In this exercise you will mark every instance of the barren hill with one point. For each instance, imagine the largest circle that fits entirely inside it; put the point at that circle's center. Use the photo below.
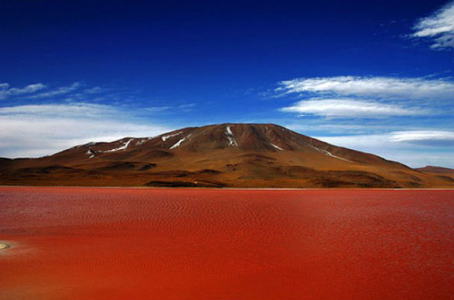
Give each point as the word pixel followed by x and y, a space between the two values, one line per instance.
pixel 434 169
pixel 225 155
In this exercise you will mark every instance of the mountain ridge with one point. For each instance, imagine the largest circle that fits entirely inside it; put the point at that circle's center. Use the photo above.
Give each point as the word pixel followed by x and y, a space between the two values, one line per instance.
pixel 436 169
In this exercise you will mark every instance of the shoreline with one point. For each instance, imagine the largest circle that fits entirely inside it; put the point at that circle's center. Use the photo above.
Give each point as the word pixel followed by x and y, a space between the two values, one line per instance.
pixel 232 188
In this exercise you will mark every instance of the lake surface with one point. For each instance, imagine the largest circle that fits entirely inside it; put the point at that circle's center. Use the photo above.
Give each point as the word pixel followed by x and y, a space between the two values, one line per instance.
pixel 124 243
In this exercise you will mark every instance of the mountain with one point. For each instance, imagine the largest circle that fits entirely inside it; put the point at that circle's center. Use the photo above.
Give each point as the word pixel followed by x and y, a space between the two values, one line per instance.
pixel 445 174
pixel 225 155
pixel 434 169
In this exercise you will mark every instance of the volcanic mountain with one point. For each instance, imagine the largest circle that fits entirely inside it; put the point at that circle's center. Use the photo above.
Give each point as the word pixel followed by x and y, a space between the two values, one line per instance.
pixel 225 155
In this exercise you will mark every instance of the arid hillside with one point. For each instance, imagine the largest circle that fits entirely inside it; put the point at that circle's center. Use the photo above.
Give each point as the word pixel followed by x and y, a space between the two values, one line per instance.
pixel 225 155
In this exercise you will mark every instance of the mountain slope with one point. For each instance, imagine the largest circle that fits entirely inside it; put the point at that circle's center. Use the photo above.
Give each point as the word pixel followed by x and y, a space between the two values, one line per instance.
pixel 225 155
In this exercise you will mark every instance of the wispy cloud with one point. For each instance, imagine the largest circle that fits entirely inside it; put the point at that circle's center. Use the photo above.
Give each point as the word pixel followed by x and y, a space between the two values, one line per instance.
pixel 187 106
pixel 59 110
pixel 59 91
pixel 424 137
pixel 6 91
pixel 334 127
pixel 77 91
pixel 170 109
pixel 374 87
pixel 93 90
pixel 351 108
pixel 439 27
pixel 36 130
pixel 156 109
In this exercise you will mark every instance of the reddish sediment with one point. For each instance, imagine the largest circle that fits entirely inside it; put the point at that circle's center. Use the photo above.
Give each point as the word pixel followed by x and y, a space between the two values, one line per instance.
pixel 120 243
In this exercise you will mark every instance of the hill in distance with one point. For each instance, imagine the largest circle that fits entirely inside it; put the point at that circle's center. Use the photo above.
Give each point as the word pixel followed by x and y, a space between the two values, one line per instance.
pixel 434 169
pixel 225 155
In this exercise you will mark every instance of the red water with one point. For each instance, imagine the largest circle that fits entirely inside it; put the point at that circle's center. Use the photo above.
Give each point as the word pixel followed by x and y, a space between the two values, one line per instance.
pixel 119 243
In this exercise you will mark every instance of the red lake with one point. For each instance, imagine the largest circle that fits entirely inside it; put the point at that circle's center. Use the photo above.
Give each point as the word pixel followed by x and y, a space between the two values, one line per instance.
pixel 127 243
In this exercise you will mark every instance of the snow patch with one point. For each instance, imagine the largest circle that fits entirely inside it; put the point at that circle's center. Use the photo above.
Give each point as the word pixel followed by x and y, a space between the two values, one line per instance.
pixel 229 131
pixel 328 153
pixel 177 144
pixel 140 142
pixel 230 137
pixel 123 147
pixel 91 153
pixel 277 147
pixel 166 137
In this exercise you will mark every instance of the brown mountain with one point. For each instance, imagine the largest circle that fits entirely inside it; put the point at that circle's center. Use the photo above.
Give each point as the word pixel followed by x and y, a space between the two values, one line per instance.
pixel 434 169
pixel 226 155
pixel 445 174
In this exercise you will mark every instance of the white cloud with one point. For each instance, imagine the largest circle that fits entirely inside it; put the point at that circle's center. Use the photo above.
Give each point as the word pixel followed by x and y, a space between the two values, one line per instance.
pixel 344 128
pixel 58 92
pixel 37 130
pixel 81 110
pixel 396 139
pixel 6 91
pixel 403 146
pixel 439 26
pixel 349 108
pixel 424 137
pixel 374 87
pixel 348 97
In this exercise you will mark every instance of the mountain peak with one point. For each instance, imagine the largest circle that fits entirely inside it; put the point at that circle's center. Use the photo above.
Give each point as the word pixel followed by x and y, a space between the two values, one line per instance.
pixel 244 137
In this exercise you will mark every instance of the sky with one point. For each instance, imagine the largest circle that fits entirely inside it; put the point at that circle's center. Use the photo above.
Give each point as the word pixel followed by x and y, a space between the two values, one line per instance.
pixel 374 76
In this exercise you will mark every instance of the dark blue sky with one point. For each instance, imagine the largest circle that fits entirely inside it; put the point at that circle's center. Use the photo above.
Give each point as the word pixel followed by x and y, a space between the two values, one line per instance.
pixel 172 64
